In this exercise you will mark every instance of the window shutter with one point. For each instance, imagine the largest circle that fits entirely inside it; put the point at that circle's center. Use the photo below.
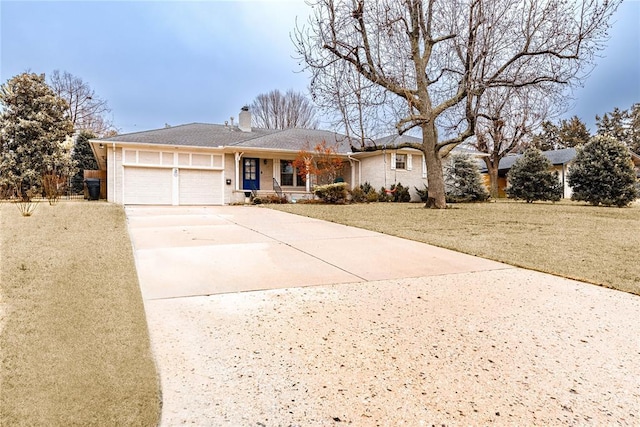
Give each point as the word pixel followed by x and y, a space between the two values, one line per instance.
pixel 393 160
pixel 409 162
pixel 424 167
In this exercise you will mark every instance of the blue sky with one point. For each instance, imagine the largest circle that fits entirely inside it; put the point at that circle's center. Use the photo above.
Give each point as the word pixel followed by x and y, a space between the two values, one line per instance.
pixel 158 62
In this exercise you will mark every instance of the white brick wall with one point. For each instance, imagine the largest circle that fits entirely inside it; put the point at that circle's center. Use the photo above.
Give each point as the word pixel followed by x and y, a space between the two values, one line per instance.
pixel 378 172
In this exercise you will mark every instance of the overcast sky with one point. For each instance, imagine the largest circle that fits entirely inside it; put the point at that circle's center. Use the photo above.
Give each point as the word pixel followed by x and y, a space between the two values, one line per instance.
pixel 158 62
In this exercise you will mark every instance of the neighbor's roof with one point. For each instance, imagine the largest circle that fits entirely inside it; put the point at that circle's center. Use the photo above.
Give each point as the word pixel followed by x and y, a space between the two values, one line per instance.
pixel 211 135
pixel 560 157
pixel 556 157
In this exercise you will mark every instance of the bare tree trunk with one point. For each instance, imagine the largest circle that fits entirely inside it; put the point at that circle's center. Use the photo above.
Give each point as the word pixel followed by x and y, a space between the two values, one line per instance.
pixel 493 179
pixel 435 177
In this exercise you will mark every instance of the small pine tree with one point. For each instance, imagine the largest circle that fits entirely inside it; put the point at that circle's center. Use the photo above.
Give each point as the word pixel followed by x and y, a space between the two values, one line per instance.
pixel 84 158
pixel 462 180
pixel 531 178
pixel 603 173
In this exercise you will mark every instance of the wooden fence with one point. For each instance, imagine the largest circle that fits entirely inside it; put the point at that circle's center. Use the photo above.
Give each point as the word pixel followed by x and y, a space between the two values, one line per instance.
pixel 102 176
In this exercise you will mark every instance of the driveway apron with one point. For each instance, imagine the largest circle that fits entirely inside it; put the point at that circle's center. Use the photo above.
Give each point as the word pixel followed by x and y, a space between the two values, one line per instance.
pixel 262 318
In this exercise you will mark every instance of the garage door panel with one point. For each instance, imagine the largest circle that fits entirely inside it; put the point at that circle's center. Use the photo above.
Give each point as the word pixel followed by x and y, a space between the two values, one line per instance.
pixel 200 187
pixel 147 186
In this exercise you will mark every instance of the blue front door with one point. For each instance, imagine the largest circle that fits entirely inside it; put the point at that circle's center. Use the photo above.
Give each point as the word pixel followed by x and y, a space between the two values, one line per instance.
pixel 250 174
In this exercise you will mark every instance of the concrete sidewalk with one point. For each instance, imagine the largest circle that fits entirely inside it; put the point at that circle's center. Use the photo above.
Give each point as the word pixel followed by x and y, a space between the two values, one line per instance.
pixel 345 326
pixel 189 251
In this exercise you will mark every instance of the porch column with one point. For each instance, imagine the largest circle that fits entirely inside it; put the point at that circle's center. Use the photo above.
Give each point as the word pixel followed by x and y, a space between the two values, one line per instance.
pixel 238 157
pixel 307 164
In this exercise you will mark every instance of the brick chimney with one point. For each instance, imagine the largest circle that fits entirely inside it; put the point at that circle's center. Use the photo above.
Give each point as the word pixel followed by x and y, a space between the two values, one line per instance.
pixel 244 119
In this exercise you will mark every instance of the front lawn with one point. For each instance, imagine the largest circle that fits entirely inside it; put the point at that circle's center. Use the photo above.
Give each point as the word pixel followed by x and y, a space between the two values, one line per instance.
pixel 594 244
pixel 74 345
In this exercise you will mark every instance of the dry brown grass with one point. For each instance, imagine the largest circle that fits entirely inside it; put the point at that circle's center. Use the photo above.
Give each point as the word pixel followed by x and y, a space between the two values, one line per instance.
pixel 594 244
pixel 74 347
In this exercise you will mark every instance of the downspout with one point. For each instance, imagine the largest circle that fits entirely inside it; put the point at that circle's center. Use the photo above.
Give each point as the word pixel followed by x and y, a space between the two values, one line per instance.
pixel 384 164
pixel 113 146
pixel 564 187
pixel 351 159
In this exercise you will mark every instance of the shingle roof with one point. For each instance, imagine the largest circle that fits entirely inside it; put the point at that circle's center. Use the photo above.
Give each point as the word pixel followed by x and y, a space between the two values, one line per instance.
pixel 559 157
pixel 395 140
pixel 556 157
pixel 211 135
pixel 295 139
pixel 193 134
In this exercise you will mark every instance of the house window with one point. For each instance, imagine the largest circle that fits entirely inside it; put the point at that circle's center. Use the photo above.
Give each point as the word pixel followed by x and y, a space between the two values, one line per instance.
pixel 289 174
pixel 401 161
pixel 286 172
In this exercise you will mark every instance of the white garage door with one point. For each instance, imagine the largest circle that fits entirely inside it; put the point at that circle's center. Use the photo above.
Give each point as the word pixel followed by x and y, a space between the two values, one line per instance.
pixel 200 187
pixel 147 186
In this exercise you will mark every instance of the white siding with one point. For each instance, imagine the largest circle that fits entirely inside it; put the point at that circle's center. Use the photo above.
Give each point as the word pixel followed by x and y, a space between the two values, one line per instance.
pixel 380 171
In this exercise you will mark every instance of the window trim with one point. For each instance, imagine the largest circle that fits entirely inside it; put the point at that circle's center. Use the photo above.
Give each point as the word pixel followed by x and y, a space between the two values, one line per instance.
pixel 297 180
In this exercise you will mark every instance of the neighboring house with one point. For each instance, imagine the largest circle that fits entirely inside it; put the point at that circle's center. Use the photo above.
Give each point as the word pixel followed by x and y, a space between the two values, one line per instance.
pixel 560 160
pixel 202 164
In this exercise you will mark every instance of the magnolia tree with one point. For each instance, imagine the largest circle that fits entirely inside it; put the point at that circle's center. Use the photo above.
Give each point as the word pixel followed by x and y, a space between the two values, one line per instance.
pixel 434 60
pixel 34 136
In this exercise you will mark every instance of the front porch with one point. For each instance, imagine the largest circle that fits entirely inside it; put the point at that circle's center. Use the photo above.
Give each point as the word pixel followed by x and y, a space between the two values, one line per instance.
pixel 259 175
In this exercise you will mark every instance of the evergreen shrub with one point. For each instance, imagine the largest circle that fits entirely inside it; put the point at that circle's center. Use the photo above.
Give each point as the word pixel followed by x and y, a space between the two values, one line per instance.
pixel 332 193
pixel 603 174
pixel 462 181
pixel 531 178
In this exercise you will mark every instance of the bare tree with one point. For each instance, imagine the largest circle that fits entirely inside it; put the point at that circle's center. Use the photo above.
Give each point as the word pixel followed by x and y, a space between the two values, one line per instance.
pixel 506 118
pixel 86 110
pixel 352 104
pixel 275 110
pixel 440 56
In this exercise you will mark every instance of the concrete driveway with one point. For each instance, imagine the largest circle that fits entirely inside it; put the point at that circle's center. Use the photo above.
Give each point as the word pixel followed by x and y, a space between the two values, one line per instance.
pixel 345 326
pixel 190 251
